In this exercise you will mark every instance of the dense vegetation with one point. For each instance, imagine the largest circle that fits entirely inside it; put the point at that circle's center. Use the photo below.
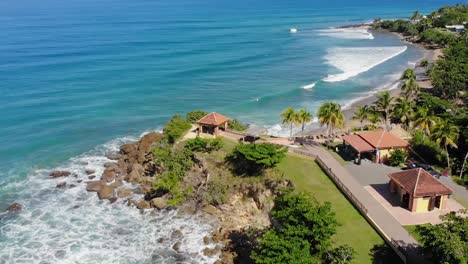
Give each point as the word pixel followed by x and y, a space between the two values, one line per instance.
pixel 301 233
pixel 448 241
pixel 199 144
pixel 253 159
pixel 175 128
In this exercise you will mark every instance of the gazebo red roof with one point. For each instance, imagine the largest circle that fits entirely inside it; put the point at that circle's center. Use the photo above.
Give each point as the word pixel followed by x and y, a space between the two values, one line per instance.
pixel 213 119
pixel 374 140
pixel 419 183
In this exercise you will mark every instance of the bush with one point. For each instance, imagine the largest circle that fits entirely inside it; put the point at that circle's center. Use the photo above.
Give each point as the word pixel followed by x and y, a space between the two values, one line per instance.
pixel 339 255
pixel 194 116
pixel 424 63
pixel 234 124
pixel 199 144
pixel 216 193
pixel 437 36
pixel 252 159
pixel 175 128
pixel 397 158
pixel 429 150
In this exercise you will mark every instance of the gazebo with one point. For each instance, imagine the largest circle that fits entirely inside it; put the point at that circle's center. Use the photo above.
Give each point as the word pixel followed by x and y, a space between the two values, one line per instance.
pixel 418 190
pixel 379 143
pixel 212 123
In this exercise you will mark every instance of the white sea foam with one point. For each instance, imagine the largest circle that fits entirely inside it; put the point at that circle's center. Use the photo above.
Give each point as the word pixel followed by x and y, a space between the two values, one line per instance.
pixel 309 86
pixel 73 226
pixel 346 33
pixel 353 61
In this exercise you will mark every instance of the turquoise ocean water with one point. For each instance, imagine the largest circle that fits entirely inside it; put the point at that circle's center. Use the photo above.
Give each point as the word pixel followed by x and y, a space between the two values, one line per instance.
pixel 78 78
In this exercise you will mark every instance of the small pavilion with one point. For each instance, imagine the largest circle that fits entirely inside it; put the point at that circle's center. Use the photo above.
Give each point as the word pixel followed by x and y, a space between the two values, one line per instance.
pixel 212 123
pixel 418 190
pixel 378 143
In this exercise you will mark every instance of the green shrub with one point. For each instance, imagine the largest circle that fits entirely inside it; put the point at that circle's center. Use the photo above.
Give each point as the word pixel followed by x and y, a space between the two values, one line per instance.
pixel 339 255
pixel 437 36
pixel 199 144
pixel 429 150
pixel 397 158
pixel 215 194
pixel 252 159
pixel 424 63
pixel 234 124
pixel 194 116
pixel 175 128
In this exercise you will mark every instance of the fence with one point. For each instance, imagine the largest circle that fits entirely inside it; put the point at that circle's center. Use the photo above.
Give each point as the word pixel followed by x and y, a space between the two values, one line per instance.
pixel 400 251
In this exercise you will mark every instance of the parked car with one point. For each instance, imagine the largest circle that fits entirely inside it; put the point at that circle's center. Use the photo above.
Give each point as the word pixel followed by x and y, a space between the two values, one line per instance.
pixel 426 167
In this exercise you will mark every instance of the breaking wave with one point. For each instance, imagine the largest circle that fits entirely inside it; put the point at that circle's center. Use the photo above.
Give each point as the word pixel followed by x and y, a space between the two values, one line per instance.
pixel 346 33
pixel 353 61
pixel 309 86
pixel 73 226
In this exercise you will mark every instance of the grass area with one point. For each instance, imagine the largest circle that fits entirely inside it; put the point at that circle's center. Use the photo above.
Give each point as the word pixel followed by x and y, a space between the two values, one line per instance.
pixel 412 230
pixel 338 157
pixel 354 230
pixel 460 200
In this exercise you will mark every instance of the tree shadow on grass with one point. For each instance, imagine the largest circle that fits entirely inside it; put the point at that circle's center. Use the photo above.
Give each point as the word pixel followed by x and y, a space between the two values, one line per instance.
pixel 384 254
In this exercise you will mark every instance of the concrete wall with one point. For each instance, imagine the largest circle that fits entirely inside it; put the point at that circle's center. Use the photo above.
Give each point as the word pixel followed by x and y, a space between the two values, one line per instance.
pixel 422 204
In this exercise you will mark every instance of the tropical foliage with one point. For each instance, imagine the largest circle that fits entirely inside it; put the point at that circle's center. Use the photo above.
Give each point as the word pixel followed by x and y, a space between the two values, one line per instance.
pixel 289 117
pixel 253 159
pixel 194 116
pixel 236 125
pixel 331 116
pixel 304 117
pixel 199 144
pixel 175 128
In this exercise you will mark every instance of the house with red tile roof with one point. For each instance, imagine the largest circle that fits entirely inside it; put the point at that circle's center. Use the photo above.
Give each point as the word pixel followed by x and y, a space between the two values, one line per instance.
pixel 418 190
pixel 379 143
pixel 212 123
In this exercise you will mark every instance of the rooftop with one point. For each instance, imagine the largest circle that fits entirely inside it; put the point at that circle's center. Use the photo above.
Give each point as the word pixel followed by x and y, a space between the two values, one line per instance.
pixel 214 119
pixel 372 140
pixel 419 183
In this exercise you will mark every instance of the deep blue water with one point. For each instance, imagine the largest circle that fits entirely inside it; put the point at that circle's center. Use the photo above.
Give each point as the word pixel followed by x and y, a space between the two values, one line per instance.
pixel 75 75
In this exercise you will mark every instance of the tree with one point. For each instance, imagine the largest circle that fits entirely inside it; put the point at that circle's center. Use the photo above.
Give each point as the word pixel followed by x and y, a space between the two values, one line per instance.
pixel 383 105
pixel 175 128
pixel 299 215
pixel 403 110
pixel 304 117
pixel 408 74
pixel 252 159
pixel 276 248
pixel 330 115
pixel 236 125
pixel 289 117
pixel 194 116
pixel 361 114
pixel 446 134
pixel 339 255
pixel 397 157
pixel 448 241
pixel 199 144
pixel 424 119
pixel 410 88
pixel 416 16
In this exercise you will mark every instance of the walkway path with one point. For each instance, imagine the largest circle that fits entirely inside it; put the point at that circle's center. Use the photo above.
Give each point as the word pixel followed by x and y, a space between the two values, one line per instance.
pixel 377 215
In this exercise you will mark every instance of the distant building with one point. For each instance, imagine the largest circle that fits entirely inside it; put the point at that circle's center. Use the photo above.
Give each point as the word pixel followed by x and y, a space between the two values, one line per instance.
pixel 456 28
pixel 418 190
pixel 376 144
pixel 212 123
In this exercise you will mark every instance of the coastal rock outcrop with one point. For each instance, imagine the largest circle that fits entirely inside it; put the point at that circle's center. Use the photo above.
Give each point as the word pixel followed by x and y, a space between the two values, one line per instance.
pixel 106 192
pixel 14 208
pixel 159 203
pixel 122 193
pixel 59 174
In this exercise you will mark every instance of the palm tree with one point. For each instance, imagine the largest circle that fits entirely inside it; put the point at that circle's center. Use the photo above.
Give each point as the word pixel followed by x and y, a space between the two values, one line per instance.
pixel 410 88
pixel 289 117
pixel 330 114
pixel 446 134
pixel 426 23
pixel 424 119
pixel 383 105
pixel 416 15
pixel 403 110
pixel 408 74
pixel 361 114
pixel 304 117
pixel 374 116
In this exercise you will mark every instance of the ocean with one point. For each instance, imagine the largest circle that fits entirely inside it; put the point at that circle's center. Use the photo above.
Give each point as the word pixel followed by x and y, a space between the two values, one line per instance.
pixel 79 78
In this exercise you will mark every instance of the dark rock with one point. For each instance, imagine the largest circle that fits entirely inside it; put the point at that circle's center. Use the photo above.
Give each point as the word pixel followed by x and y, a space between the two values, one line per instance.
pixel 79 181
pixel 72 186
pixel 160 240
pixel 89 171
pixel 206 240
pixel 177 246
pixel 129 149
pixel 113 200
pixel 76 207
pixel 61 185
pixel 58 174
pixel 177 234
pixel 209 252
pixel 113 156
pixel 14 208
pixel 91 177
pixel 105 192
pixel 94 186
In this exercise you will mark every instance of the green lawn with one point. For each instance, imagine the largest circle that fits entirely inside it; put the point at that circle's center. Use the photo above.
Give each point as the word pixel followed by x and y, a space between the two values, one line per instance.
pixel 354 230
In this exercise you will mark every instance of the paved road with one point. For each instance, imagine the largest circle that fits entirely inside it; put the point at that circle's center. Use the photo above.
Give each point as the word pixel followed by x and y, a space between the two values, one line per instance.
pixel 384 221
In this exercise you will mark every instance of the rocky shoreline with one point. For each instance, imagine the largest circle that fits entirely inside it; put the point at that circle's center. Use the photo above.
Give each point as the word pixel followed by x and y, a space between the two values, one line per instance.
pixel 128 178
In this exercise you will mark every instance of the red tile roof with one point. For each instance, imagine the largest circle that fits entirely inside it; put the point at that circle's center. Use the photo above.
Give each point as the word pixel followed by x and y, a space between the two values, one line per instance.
pixel 372 140
pixel 382 139
pixel 419 183
pixel 358 143
pixel 214 119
